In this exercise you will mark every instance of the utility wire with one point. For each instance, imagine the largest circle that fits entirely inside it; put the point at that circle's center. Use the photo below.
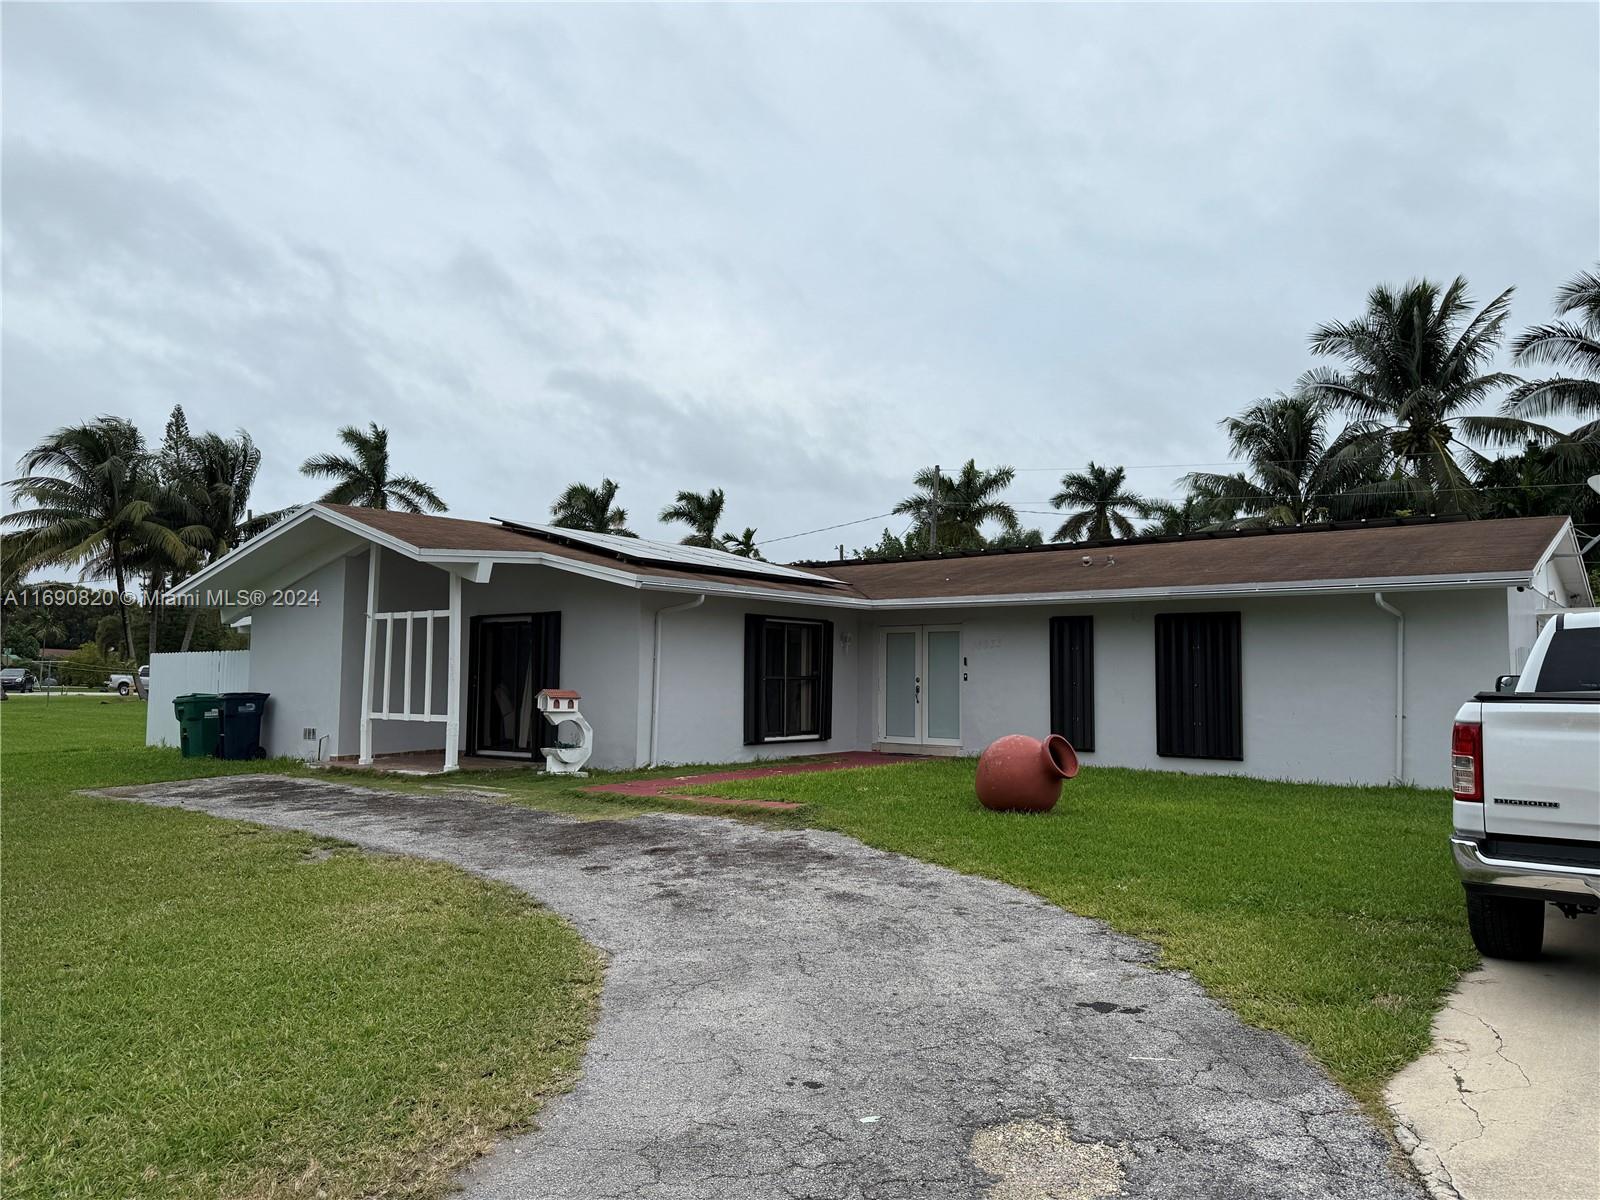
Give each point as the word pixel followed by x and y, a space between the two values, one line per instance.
pixel 823 529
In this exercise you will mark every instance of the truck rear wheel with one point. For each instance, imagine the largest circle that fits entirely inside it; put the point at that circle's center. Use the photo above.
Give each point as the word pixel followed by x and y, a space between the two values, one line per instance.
pixel 1506 926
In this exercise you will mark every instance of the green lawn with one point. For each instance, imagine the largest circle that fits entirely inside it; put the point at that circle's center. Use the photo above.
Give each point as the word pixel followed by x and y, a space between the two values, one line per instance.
pixel 195 1007
pixel 1331 914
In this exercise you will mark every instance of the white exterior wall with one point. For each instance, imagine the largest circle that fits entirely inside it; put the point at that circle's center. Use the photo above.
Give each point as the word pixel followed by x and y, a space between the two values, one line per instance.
pixel 702 681
pixel 1318 672
pixel 296 656
pixel 1317 676
pixel 599 647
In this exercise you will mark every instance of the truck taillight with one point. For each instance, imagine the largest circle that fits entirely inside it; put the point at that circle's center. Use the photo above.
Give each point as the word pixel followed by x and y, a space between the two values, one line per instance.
pixel 1466 761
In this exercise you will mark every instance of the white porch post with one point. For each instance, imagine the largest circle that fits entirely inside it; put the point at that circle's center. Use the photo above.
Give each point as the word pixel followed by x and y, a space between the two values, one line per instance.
pixel 452 699
pixel 374 557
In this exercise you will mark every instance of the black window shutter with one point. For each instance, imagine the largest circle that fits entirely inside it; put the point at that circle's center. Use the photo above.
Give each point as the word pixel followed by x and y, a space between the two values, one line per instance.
pixel 1199 693
pixel 1072 680
pixel 546 667
pixel 825 683
pixel 754 627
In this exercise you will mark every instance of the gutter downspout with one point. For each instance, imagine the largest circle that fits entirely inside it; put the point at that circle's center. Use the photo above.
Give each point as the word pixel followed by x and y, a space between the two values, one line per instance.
pixel 655 669
pixel 1399 685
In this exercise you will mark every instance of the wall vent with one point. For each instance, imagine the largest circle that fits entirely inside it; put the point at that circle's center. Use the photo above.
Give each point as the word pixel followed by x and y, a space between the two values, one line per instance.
pixel 309 734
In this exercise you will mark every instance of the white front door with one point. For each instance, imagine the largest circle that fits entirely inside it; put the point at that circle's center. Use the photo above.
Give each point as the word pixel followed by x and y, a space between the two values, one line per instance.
pixel 919 685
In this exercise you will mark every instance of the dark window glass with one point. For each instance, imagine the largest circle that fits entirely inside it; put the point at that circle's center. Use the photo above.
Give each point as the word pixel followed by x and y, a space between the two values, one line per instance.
pixel 791 683
pixel 1572 662
pixel 1199 707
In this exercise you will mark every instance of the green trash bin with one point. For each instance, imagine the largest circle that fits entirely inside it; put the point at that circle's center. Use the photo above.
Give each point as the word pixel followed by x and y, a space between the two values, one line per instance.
pixel 199 723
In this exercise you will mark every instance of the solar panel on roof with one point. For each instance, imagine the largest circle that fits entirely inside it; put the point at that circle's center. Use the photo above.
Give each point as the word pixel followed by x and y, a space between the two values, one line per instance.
pixel 672 553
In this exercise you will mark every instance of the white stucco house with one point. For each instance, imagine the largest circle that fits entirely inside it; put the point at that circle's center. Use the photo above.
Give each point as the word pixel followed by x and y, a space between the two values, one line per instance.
pixel 1334 652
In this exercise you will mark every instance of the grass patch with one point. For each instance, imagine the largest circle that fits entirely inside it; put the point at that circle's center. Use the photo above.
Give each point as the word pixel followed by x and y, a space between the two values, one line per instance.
pixel 1330 914
pixel 196 1007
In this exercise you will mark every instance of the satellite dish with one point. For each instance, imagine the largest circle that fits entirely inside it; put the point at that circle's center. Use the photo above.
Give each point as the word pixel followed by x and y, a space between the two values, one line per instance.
pixel 1594 482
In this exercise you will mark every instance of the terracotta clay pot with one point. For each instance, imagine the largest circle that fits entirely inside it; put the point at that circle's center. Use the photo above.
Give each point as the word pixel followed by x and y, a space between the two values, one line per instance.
pixel 1018 773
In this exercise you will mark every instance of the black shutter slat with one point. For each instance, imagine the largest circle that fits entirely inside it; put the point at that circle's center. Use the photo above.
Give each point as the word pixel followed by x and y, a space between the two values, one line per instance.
pixel 1072 680
pixel 546 667
pixel 1199 692
pixel 825 683
pixel 754 647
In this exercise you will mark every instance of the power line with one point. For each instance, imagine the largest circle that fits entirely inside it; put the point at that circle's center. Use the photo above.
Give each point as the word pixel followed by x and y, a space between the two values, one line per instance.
pixel 823 529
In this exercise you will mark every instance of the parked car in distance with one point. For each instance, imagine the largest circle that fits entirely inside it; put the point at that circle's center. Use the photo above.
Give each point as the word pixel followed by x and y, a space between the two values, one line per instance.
pixel 1525 771
pixel 17 679
pixel 122 684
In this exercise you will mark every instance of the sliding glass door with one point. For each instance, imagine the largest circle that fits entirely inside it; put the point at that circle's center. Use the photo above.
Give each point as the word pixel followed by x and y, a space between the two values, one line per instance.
pixel 513 657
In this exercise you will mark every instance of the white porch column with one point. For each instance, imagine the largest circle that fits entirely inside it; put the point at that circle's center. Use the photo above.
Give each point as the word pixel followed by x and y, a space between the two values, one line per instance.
pixel 452 699
pixel 374 557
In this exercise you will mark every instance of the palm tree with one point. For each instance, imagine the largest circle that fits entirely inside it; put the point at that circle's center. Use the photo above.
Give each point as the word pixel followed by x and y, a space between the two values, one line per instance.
pixel 1572 346
pixel 949 511
pixel 364 479
pixel 219 474
pixel 590 508
pixel 94 495
pixel 1297 471
pixel 1198 512
pixel 1412 369
pixel 743 544
pixel 1098 495
pixel 701 513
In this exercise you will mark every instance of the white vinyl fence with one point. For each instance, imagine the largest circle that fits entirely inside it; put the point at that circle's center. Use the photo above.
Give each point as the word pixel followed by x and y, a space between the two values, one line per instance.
pixel 173 675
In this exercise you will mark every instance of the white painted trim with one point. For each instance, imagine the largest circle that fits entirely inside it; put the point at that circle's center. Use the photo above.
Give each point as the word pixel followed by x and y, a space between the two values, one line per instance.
pixel 452 706
pixel 370 645
pixel 388 657
pixel 427 670
pixel 1399 685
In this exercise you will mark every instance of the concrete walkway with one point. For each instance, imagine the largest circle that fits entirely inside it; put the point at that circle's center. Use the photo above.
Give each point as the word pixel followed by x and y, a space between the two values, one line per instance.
pixel 1507 1103
pixel 792 1014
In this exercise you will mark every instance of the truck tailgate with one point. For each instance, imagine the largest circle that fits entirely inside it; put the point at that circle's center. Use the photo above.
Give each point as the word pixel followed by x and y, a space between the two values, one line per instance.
pixel 1541 769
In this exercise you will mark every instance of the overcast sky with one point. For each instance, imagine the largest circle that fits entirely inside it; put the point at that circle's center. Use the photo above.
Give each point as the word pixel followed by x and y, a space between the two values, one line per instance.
pixel 795 252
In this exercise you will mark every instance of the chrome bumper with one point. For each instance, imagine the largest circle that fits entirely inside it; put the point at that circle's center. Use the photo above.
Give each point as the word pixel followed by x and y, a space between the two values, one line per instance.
pixel 1581 884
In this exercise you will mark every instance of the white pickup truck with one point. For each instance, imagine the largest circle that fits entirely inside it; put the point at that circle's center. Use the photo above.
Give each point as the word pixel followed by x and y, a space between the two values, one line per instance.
pixel 124 684
pixel 1525 770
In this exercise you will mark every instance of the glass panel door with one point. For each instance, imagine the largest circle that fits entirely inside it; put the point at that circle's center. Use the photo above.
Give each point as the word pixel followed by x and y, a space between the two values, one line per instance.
pixel 921 685
pixel 942 692
pixel 900 685
pixel 505 693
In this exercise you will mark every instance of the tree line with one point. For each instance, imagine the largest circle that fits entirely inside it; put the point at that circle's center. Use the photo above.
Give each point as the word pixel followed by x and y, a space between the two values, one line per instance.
pixel 1387 425
pixel 100 498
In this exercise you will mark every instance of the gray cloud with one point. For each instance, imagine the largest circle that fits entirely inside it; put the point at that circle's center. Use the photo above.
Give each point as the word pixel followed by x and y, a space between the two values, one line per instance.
pixel 798 252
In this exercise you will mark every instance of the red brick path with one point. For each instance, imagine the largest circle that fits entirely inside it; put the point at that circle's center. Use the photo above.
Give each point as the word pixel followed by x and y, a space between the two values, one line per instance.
pixel 663 785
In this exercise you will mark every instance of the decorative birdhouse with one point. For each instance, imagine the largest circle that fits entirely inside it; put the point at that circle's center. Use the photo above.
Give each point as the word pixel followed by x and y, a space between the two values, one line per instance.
pixel 574 735
pixel 557 700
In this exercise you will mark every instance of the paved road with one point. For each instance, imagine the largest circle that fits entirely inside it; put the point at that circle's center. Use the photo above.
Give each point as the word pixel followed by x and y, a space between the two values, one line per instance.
pixel 1505 1105
pixel 792 1014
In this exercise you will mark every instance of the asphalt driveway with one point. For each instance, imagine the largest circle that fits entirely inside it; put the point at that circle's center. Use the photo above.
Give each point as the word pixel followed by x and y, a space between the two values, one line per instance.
pixel 792 1014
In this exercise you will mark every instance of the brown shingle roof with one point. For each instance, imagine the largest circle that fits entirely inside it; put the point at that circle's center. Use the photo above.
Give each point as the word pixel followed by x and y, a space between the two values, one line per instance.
pixel 1379 551
pixel 1385 550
